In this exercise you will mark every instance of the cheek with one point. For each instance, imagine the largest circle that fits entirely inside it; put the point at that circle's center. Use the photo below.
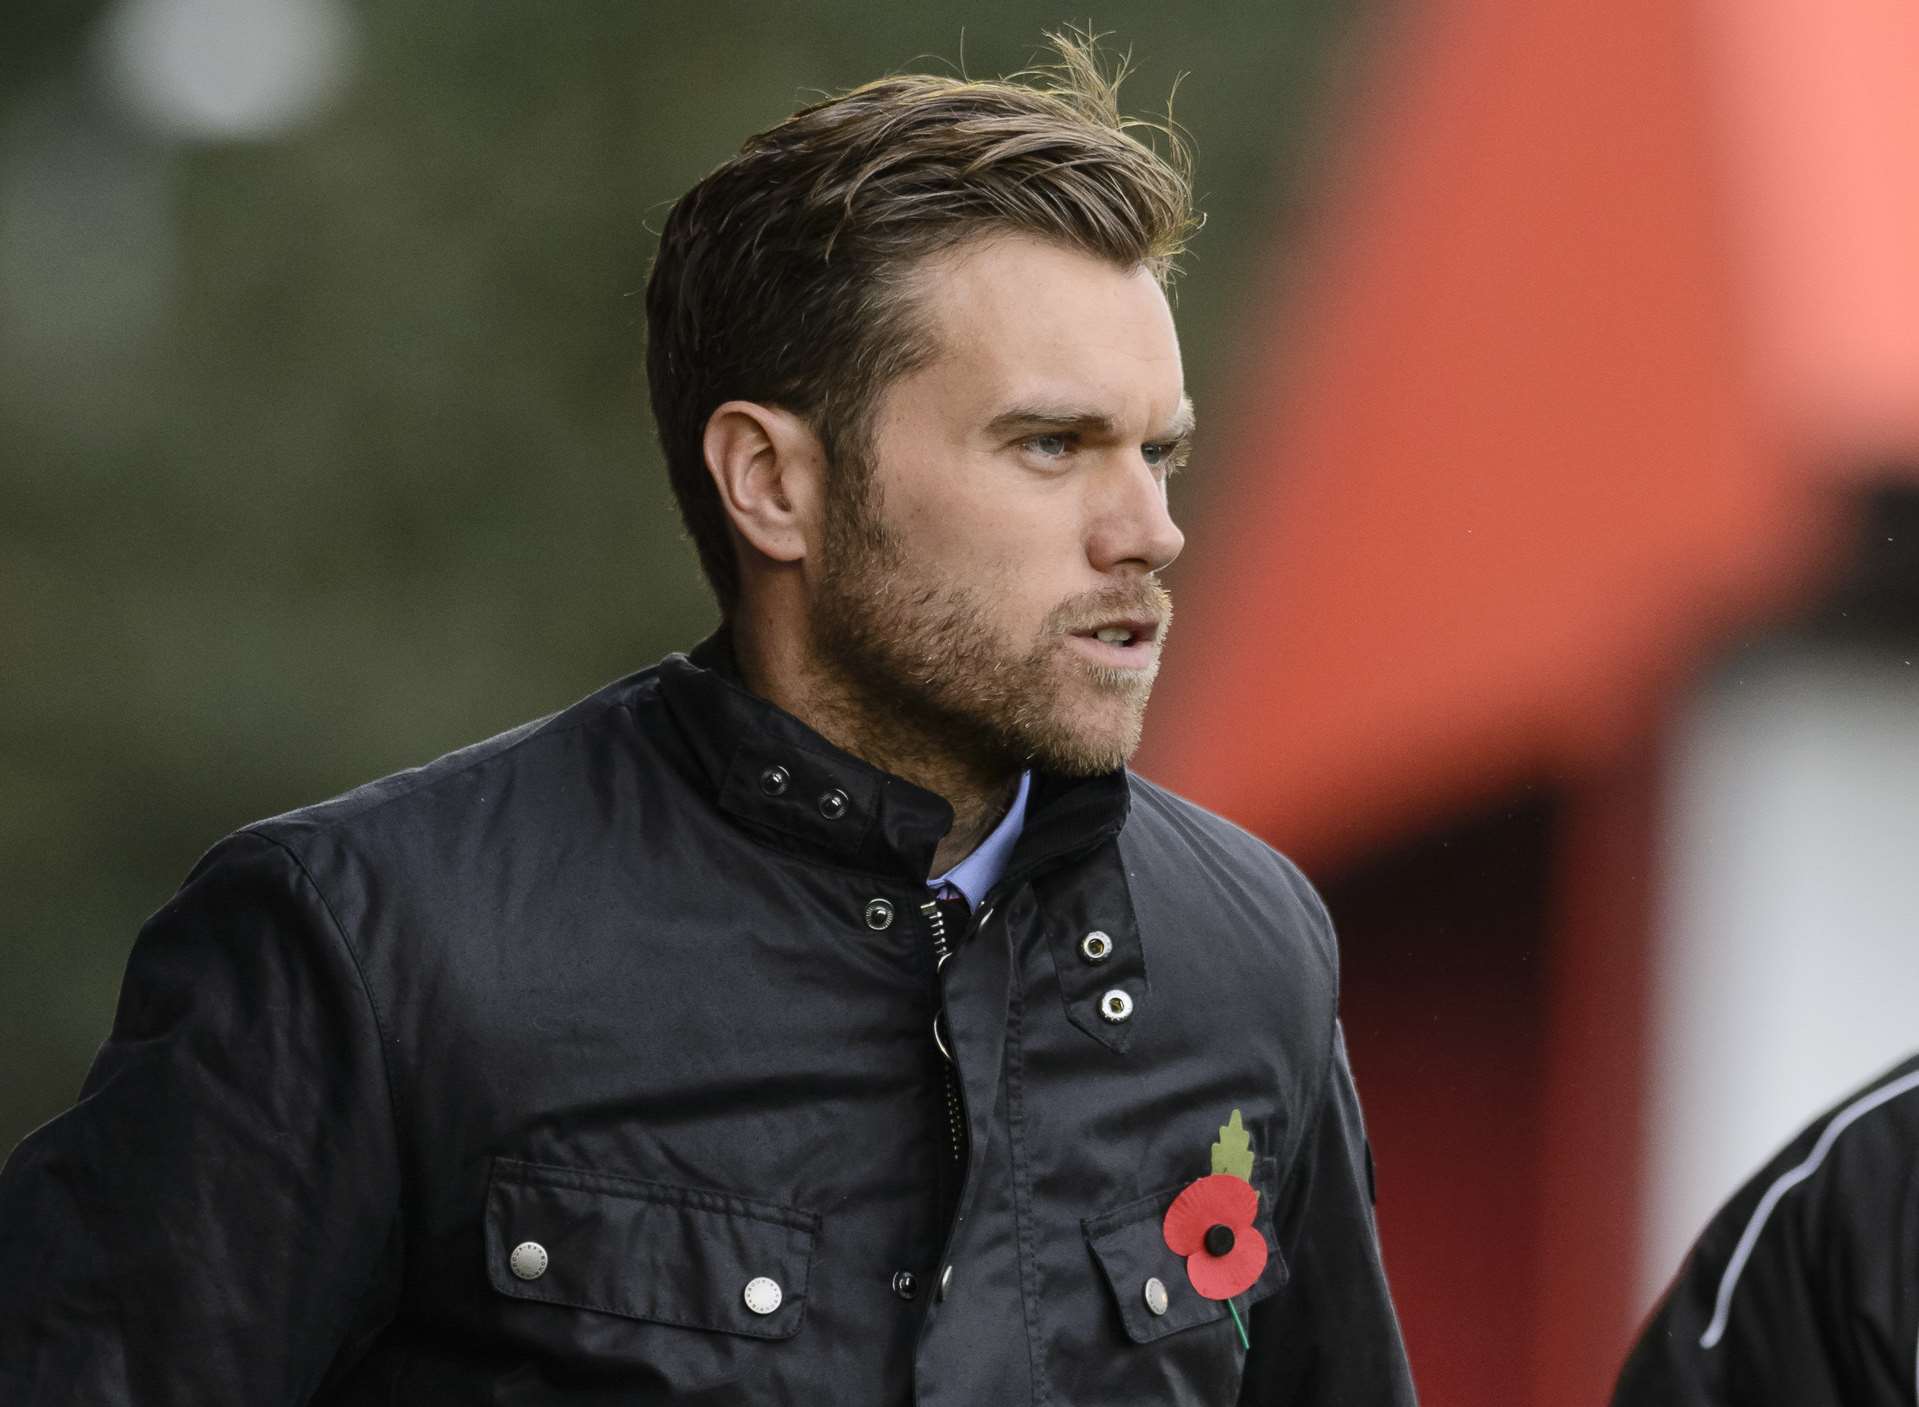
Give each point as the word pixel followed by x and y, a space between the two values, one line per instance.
pixel 1044 562
pixel 1040 532
pixel 1018 545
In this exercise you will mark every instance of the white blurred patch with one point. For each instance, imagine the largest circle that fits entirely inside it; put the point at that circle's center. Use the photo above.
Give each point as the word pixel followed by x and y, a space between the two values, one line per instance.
pixel 1787 958
pixel 226 69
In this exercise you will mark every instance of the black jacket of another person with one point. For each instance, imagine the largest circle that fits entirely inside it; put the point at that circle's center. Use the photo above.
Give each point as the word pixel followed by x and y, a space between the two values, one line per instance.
pixel 597 1064
pixel 1804 1289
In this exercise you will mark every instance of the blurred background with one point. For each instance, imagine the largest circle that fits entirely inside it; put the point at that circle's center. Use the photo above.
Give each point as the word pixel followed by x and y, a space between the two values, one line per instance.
pixel 1551 589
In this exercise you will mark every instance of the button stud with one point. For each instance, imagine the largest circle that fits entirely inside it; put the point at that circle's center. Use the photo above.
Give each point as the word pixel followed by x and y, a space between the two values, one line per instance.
pixel 879 915
pixel 1155 1294
pixel 1096 947
pixel 1116 1006
pixel 833 804
pixel 528 1260
pixel 905 1284
pixel 773 781
pixel 763 1295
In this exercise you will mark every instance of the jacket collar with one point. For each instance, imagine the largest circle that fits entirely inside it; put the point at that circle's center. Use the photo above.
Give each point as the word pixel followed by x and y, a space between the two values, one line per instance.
pixel 792 788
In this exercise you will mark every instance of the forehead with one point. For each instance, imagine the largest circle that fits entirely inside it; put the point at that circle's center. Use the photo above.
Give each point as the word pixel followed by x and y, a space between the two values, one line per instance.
pixel 1015 317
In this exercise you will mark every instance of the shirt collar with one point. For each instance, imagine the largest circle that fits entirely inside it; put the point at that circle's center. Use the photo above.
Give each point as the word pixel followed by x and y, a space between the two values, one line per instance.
pixel 976 875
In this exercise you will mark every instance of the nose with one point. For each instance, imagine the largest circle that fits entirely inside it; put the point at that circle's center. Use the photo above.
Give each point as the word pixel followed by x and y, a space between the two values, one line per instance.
pixel 1133 525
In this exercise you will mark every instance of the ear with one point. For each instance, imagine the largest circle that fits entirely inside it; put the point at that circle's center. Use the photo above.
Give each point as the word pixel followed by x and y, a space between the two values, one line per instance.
pixel 769 468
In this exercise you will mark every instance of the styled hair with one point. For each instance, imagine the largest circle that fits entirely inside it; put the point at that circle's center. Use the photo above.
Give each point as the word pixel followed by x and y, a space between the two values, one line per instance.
pixel 784 276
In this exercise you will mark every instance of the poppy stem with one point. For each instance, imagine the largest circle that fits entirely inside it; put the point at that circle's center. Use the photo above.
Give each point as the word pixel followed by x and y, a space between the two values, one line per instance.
pixel 1244 1342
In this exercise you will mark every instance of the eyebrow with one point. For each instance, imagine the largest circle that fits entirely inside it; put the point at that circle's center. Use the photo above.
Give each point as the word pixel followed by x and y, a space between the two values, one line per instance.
pixel 1085 422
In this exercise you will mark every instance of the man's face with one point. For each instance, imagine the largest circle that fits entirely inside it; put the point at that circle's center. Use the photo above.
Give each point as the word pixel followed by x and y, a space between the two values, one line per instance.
pixel 990 580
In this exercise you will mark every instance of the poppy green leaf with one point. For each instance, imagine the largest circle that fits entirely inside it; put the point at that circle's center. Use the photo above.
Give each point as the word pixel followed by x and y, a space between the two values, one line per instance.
pixel 1234 1152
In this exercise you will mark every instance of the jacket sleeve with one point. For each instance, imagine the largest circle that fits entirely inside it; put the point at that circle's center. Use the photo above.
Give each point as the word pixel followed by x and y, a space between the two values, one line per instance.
pixel 1804 1287
pixel 1329 1338
pixel 217 1219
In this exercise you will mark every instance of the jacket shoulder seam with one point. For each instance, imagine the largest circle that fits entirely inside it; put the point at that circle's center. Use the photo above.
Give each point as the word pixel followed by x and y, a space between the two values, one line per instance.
pixel 1329 1057
pixel 1323 1089
pixel 309 815
pixel 366 991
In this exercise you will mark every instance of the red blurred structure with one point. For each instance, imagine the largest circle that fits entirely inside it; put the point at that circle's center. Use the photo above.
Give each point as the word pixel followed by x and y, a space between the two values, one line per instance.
pixel 1609 302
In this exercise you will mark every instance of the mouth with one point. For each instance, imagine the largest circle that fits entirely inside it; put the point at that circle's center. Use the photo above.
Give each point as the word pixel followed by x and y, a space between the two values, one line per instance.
pixel 1123 644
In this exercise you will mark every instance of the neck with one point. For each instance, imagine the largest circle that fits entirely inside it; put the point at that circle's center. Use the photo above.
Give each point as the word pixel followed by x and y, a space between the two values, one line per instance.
pixel 776 666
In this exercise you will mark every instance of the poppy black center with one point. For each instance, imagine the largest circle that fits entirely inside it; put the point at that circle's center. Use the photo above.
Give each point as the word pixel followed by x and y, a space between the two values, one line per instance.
pixel 1219 1240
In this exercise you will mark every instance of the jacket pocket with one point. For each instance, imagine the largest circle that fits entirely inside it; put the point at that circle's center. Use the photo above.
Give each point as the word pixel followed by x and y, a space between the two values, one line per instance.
pixel 1130 1249
pixel 648 1250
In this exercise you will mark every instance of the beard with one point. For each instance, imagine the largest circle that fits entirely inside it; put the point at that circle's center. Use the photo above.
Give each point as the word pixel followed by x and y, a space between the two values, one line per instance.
pixel 921 660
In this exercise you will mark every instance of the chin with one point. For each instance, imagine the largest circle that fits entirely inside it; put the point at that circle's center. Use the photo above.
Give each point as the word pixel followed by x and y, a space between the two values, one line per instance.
pixel 1084 747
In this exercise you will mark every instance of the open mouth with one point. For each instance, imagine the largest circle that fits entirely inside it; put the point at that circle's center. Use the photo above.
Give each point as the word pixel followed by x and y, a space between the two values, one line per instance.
pixel 1125 637
pixel 1124 632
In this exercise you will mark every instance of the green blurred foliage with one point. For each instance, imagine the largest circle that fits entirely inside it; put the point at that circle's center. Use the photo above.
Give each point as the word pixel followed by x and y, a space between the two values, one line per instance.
pixel 345 461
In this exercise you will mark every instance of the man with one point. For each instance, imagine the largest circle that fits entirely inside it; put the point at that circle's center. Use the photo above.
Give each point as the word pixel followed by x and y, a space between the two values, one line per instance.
pixel 822 1017
pixel 1804 1289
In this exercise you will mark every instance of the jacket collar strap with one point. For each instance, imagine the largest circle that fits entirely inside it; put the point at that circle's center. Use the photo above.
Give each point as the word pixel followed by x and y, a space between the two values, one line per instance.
pixel 781 780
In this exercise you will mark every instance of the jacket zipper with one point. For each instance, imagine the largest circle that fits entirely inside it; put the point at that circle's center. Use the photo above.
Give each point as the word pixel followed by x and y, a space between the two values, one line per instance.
pixel 955 1115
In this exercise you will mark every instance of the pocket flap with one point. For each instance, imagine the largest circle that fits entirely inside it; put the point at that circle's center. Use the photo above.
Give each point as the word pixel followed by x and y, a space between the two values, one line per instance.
pixel 1130 1247
pixel 647 1250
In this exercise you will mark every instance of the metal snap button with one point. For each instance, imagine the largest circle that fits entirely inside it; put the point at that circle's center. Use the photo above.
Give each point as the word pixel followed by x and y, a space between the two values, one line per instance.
pixel 833 804
pixel 1155 1294
pixel 1116 1006
pixel 946 1281
pixel 763 1295
pixel 528 1260
pixel 879 915
pixel 905 1284
pixel 773 781
pixel 1096 947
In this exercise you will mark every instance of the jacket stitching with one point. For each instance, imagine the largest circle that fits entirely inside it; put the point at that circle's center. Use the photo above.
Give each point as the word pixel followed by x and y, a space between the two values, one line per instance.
pixel 708 1325
pixel 706 1201
pixel 1022 1193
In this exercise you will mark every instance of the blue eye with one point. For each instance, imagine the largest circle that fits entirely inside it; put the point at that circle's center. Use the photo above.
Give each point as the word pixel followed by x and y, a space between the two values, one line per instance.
pixel 1050 446
pixel 1163 456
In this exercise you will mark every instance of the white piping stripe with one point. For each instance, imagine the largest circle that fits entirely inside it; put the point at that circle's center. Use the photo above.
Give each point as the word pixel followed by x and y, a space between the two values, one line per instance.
pixel 1786 1181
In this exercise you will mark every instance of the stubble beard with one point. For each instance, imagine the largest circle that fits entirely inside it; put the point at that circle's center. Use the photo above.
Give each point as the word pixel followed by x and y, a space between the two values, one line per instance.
pixel 921 662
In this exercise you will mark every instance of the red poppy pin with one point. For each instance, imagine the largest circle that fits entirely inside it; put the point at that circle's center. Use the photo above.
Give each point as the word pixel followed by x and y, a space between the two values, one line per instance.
pixel 1211 1224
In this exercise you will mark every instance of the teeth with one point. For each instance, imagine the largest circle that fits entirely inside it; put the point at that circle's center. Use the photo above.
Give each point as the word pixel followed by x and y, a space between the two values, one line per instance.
pixel 1115 635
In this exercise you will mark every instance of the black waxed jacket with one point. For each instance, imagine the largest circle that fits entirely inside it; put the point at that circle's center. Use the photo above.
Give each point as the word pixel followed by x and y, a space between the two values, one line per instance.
pixel 595 1064
pixel 1803 1291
